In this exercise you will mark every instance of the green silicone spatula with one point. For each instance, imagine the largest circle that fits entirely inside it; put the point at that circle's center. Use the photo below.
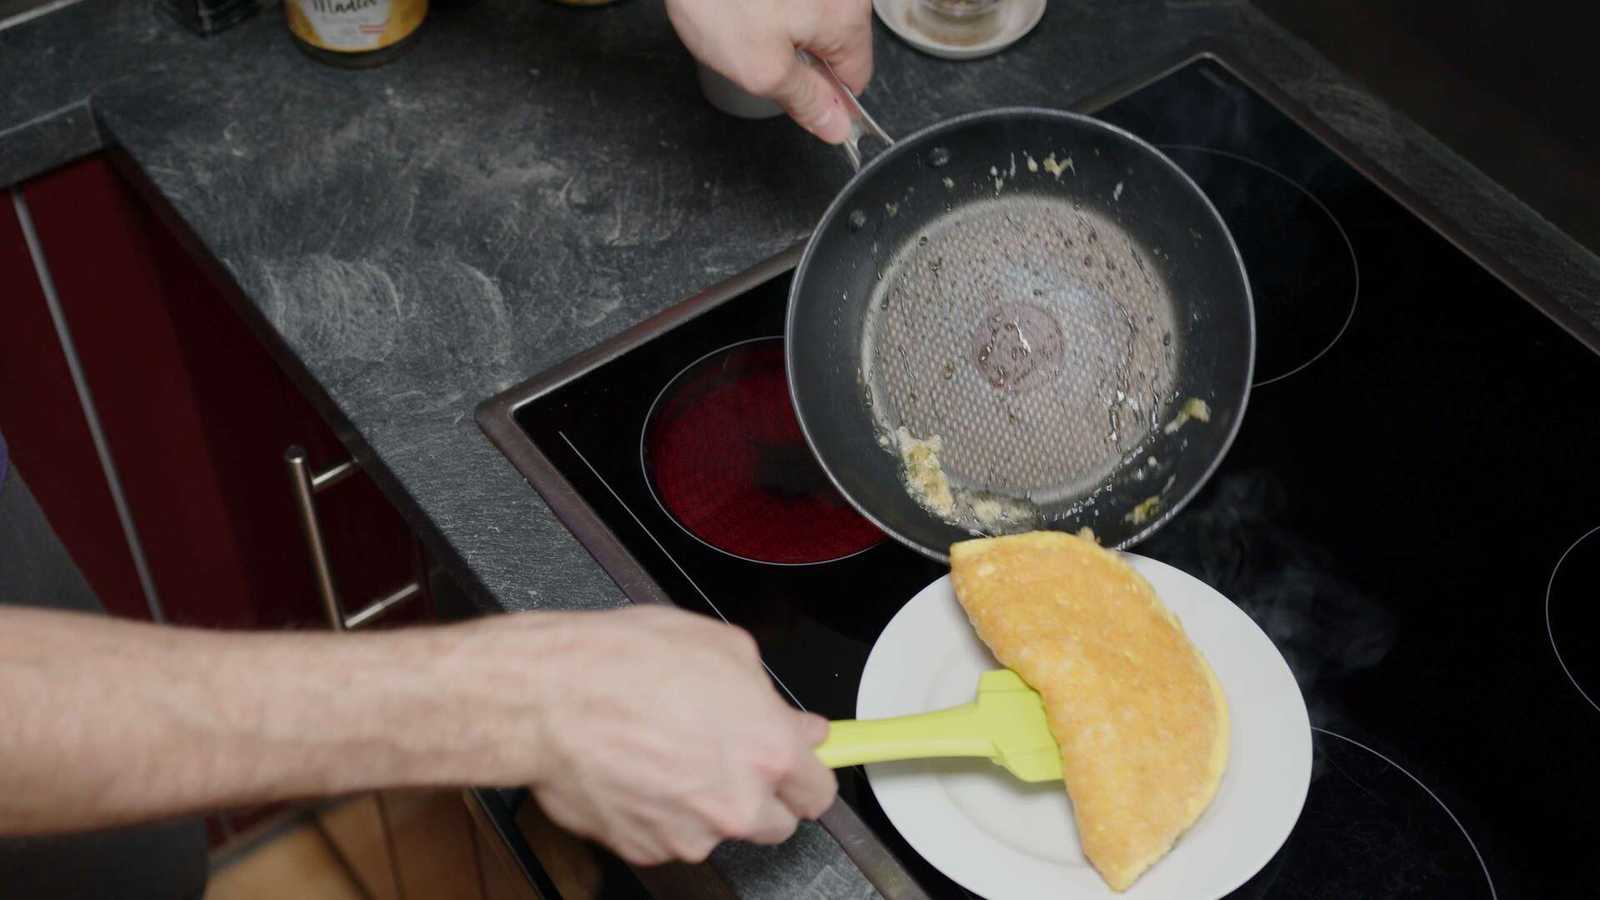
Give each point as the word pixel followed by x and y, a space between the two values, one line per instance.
pixel 1004 724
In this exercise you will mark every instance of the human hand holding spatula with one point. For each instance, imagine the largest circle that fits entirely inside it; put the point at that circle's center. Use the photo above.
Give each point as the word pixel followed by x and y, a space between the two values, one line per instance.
pixel 1005 724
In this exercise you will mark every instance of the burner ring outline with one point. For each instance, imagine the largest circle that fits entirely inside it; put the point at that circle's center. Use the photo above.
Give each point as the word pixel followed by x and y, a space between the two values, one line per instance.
pixel 1350 247
pixel 649 483
pixel 1549 629
pixel 1488 879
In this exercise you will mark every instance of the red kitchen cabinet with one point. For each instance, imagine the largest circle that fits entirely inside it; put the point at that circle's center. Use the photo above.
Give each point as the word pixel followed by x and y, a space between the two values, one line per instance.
pixel 48 435
pixel 197 416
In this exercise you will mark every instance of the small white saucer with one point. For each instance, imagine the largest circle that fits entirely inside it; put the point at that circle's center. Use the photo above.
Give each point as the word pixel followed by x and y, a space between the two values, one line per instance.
pixel 1017 19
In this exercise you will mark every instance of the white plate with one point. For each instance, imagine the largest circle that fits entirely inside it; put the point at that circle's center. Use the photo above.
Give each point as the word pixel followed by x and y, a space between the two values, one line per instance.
pixel 1020 17
pixel 1008 840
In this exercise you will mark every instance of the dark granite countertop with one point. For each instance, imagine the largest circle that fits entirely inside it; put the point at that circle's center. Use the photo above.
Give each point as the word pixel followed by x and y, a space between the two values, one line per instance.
pixel 531 179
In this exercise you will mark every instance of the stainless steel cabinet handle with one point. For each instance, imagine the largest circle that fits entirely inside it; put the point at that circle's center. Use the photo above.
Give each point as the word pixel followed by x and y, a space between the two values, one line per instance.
pixel 306 486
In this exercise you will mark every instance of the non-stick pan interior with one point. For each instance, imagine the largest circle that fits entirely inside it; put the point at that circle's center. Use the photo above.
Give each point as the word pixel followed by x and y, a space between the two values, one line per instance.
pixel 1047 294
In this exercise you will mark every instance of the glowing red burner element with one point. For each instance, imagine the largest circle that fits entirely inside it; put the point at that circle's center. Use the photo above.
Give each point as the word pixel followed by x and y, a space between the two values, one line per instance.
pixel 725 457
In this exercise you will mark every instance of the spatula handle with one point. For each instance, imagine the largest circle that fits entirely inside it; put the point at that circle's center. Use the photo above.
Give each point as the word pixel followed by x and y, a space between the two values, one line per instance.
pixel 957 731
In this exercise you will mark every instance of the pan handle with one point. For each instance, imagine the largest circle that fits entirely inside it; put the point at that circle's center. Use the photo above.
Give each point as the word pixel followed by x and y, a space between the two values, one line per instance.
pixel 861 123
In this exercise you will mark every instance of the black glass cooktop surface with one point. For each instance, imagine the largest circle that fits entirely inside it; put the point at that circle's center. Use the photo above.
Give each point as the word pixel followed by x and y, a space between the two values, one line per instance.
pixel 1409 512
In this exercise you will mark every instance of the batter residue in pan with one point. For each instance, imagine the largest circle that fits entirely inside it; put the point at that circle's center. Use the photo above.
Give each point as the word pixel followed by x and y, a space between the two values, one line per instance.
pixel 993 514
pixel 1145 511
pixel 978 512
pixel 924 476
pixel 1056 168
pixel 1193 408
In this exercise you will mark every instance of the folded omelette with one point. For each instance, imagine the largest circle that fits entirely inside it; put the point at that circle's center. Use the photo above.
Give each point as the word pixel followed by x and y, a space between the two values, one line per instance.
pixel 1139 715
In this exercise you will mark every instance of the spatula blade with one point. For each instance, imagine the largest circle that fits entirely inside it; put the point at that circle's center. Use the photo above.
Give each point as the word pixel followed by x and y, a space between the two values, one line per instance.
pixel 1014 717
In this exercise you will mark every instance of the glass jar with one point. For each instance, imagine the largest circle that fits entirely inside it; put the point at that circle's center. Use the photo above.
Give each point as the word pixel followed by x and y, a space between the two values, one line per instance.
pixel 355 33
pixel 959 23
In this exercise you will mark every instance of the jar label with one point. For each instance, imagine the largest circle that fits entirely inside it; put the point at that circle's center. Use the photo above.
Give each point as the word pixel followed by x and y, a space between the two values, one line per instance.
pixel 352 26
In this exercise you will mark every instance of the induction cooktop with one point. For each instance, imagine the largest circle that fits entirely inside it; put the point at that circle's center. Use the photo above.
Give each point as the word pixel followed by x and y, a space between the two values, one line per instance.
pixel 1409 511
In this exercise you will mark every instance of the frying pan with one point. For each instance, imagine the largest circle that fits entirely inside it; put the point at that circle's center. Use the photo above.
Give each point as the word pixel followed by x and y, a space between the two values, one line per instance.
pixel 1047 295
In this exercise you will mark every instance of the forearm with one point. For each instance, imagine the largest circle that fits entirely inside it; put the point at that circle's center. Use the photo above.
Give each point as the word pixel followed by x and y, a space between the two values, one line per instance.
pixel 107 721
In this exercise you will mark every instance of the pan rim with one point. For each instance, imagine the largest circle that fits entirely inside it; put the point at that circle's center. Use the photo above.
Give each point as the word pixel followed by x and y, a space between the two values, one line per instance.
pixel 912 144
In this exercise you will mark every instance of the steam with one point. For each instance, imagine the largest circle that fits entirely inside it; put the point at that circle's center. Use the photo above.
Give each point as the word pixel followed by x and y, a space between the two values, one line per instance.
pixel 1233 538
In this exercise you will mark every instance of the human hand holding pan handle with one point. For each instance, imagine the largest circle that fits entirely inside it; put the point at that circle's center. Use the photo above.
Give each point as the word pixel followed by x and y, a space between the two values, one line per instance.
pixel 861 121
pixel 1041 308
